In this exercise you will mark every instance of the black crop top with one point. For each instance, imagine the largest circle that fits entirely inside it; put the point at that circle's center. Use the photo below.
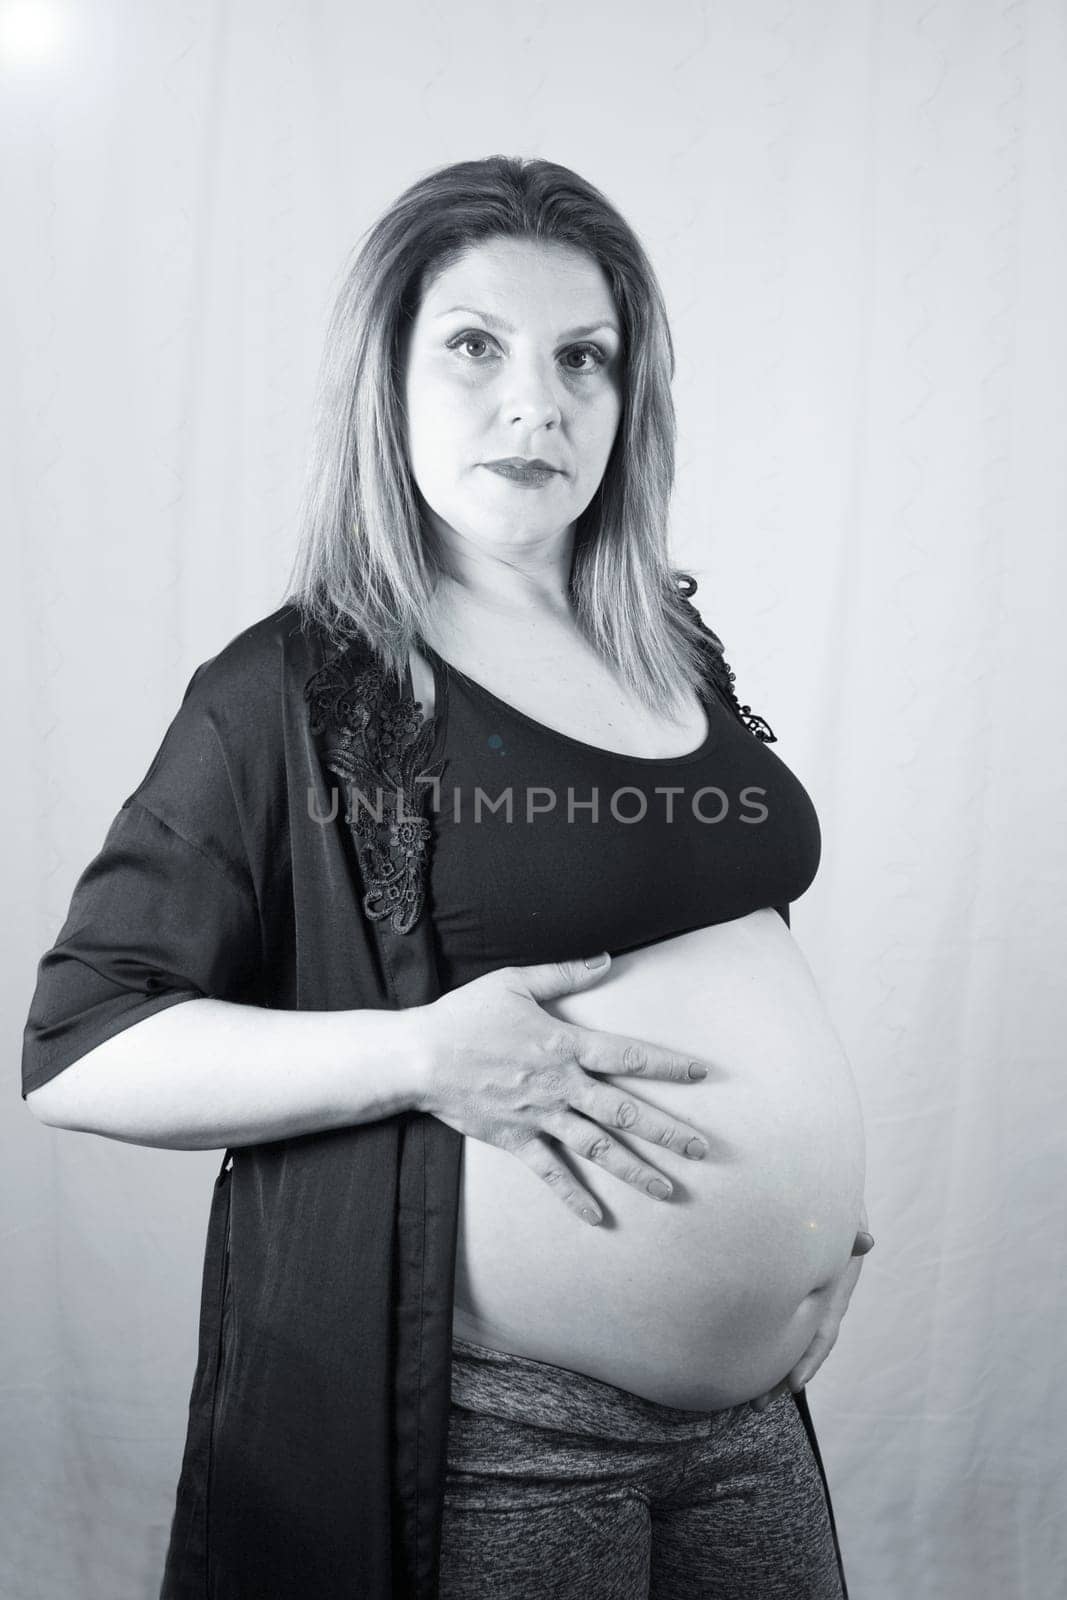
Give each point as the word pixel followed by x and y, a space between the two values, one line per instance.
pixel 571 849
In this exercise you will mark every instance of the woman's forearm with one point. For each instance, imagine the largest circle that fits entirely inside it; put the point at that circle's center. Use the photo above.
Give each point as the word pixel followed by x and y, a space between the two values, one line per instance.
pixel 207 1074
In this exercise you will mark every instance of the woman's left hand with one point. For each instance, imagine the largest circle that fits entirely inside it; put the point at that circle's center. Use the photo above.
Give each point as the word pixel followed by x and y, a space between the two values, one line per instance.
pixel 836 1296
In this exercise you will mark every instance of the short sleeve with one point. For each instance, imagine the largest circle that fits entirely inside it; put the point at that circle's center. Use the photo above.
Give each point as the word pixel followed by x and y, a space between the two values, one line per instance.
pixel 166 911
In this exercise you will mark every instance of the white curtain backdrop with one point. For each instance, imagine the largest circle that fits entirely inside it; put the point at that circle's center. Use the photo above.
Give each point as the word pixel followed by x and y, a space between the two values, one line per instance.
pixel 858 214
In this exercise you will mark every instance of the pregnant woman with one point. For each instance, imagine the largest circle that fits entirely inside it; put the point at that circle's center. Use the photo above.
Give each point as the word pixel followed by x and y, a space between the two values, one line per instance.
pixel 519 1259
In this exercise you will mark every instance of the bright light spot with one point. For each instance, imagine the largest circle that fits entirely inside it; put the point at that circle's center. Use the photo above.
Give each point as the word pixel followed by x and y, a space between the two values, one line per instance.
pixel 30 33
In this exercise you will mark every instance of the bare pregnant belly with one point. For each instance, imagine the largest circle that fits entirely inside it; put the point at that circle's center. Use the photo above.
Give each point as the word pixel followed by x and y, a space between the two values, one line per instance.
pixel 711 1297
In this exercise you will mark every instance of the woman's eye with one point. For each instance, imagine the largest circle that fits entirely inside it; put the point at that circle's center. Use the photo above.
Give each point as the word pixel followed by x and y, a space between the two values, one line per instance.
pixel 596 355
pixel 590 355
pixel 468 338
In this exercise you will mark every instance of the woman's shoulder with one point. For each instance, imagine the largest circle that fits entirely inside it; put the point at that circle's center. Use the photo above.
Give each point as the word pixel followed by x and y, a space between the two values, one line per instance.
pixel 717 668
pixel 261 661
pixel 233 729
pixel 686 587
pixel 264 674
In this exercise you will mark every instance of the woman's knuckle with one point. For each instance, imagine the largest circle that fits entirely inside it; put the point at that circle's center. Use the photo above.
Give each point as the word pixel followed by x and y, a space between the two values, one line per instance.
pixel 561 1045
pixel 552 1083
pixel 634 1058
pixel 625 1114
pixel 599 1147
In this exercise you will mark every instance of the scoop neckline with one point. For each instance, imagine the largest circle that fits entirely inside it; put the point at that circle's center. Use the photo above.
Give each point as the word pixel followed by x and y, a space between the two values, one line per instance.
pixel 442 669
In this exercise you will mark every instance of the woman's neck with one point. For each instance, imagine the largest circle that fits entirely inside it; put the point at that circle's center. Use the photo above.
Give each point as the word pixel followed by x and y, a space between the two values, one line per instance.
pixel 529 612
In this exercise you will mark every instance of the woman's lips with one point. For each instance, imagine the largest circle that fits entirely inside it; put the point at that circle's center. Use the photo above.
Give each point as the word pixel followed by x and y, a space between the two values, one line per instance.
pixel 533 476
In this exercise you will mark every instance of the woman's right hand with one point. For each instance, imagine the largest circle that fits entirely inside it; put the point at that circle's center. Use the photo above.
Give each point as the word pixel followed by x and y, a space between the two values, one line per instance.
pixel 499 1068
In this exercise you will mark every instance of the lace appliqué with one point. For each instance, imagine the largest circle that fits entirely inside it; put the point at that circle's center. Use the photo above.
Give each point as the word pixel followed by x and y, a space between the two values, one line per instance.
pixel 380 744
pixel 718 667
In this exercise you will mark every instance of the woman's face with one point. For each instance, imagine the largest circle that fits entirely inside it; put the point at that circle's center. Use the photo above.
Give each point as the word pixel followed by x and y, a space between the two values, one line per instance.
pixel 516 351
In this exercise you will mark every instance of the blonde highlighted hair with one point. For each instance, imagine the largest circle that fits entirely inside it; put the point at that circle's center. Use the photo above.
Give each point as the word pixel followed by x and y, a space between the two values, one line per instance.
pixel 365 566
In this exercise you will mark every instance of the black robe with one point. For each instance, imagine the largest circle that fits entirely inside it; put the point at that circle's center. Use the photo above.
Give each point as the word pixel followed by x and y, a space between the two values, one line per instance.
pixel 315 1453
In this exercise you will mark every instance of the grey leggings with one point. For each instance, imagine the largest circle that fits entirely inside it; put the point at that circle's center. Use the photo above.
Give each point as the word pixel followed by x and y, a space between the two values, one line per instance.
pixel 561 1487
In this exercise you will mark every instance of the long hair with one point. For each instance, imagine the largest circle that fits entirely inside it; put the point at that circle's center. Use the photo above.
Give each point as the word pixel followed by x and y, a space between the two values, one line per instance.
pixel 364 566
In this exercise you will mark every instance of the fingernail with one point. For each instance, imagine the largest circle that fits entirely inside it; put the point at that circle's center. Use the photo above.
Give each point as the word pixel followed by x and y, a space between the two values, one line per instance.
pixel 658 1188
pixel 592 1217
pixel 594 963
pixel 696 1070
pixel 696 1148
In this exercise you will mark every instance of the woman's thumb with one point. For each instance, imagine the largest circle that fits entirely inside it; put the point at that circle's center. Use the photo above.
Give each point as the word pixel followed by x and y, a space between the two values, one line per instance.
pixel 554 978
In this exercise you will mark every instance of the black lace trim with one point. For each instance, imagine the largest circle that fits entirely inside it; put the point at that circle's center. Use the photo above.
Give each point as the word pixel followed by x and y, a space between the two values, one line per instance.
pixel 380 743
pixel 718 668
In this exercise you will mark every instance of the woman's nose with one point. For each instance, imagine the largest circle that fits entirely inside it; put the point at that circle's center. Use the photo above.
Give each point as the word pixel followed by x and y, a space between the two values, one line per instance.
pixel 533 394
